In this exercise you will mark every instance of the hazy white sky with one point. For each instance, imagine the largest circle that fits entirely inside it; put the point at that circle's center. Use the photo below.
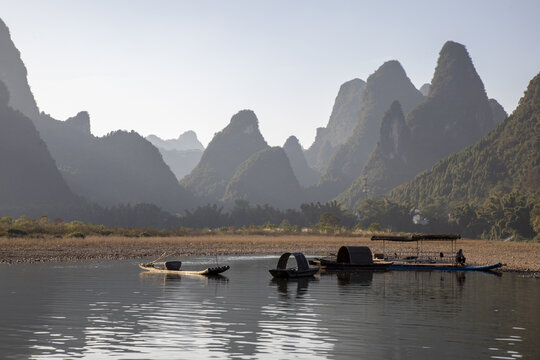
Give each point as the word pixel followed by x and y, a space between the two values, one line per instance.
pixel 164 67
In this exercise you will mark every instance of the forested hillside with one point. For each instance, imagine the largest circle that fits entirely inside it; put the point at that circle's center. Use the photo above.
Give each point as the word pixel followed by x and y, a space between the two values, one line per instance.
pixel 456 113
pixel 493 186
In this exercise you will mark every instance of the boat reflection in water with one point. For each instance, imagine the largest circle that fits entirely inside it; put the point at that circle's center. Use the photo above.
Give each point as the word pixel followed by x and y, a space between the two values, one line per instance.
pixel 284 285
pixel 362 278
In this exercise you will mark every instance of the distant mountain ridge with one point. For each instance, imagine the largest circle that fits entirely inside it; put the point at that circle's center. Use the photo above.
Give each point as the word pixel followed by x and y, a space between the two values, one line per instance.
pixel 506 159
pixel 444 146
pixel 266 178
pixel 424 89
pixel 227 150
pixel 304 173
pixel 342 122
pixel 455 114
pixel 186 141
pixel 118 168
pixel 181 154
pixel 387 84
pixel 29 177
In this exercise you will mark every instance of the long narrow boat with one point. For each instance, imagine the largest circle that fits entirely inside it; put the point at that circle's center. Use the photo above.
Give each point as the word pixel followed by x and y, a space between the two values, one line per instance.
pixel 208 271
pixel 443 267
pixel 419 259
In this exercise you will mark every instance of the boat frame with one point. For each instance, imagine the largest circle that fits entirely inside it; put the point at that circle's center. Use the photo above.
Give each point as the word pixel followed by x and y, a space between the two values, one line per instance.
pixel 352 258
pixel 302 270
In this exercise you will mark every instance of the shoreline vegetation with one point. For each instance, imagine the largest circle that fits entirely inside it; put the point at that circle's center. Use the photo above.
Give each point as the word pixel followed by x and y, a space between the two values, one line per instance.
pixel 517 256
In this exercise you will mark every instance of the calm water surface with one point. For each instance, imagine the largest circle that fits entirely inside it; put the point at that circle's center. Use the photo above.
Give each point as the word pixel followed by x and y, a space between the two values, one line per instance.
pixel 111 310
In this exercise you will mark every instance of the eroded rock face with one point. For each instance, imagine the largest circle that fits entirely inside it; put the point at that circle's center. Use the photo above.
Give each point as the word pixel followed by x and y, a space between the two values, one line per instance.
pixel 13 73
pixel 386 162
pixel 394 132
pixel 227 150
pixel 342 121
pixel 306 175
pixel 266 178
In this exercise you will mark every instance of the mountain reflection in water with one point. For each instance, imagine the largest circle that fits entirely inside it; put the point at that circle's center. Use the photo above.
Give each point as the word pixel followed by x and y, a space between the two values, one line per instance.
pixel 112 310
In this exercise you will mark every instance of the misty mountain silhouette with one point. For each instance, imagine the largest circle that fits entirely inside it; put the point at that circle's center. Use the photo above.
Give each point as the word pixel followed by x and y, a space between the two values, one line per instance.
pixel 387 84
pixel 121 167
pixel 342 122
pixel 181 154
pixel 304 173
pixel 266 178
pixel 505 161
pixel 455 114
pixel 227 150
pixel 29 177
pixel 118 168
pixel 186 141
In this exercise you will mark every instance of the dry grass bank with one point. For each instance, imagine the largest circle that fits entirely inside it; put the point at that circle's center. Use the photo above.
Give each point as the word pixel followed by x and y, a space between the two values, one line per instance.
pixel 517 256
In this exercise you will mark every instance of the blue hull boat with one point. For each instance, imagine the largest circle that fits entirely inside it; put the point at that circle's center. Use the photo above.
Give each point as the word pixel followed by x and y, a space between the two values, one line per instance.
pixel 444 267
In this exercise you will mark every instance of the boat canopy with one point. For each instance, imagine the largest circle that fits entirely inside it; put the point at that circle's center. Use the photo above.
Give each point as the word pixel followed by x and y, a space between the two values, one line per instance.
pixel 357 255
pixel 417 237
pixel 301 261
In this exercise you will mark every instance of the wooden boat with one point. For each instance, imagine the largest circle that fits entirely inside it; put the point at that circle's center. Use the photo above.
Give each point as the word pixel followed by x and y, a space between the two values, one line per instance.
pixel 173 267
pixel 302 270
pixel 353 258
pixel 418 259
pixel 443 267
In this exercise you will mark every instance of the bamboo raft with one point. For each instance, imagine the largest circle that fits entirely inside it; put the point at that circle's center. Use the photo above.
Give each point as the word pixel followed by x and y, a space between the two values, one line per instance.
pixel 208 271
pixel 173 267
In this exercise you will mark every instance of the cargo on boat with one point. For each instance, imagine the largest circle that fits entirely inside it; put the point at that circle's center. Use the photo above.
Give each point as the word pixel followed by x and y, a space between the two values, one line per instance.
pixel 302 270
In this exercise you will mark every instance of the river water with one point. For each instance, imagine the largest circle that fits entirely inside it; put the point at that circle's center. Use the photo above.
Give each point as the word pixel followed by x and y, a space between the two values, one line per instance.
pixel 112 310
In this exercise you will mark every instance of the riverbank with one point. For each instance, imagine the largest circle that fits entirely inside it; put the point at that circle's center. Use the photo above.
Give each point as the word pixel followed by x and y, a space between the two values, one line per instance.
pixel 518 256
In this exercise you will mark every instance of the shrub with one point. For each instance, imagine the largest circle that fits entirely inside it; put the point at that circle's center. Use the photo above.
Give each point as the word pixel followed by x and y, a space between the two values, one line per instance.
pixel 77 234
pixel 16 232
pixel 374 227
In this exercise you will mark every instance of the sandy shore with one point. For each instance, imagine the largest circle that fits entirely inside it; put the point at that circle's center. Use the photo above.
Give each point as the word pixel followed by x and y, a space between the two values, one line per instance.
pixel 522 257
